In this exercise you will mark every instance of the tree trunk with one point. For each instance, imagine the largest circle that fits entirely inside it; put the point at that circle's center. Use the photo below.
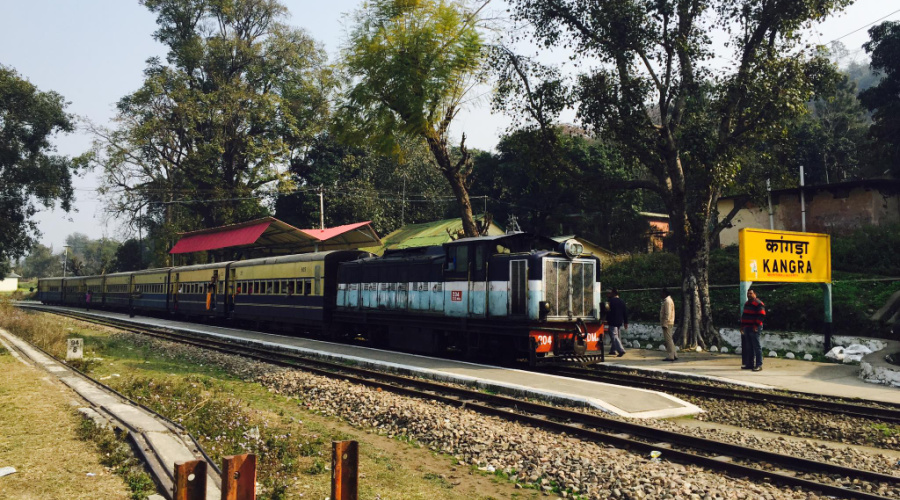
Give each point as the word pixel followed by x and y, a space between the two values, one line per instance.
pixel 692 236
pixel 458 185
pixel 455 175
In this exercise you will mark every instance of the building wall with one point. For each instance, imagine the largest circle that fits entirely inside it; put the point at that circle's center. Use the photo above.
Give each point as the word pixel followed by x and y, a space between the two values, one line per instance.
pixel 827 211
pixel 9 285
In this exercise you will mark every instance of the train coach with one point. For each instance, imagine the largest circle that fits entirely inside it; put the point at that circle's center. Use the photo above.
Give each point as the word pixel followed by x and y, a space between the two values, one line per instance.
pixel 517 295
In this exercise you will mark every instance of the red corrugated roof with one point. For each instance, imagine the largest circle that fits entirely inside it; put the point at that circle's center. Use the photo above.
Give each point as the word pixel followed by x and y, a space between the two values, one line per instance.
pixel 221 239
pixel 331 232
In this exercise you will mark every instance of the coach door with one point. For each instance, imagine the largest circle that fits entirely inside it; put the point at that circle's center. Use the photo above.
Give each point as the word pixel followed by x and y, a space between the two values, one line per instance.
pixel 518 288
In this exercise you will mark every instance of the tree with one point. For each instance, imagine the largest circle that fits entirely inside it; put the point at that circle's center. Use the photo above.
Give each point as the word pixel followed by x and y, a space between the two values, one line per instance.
pixel 128 257
pixel 832 139
pixel 361 184
pixel 31 174
pixel 560 195
pixel 884 98
pixel 90 257
pixel 41 263
pixel 410 65
pixel 694 125
pixel 207 138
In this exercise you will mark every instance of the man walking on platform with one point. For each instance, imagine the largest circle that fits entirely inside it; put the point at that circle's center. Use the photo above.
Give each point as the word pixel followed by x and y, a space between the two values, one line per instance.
pixel 667 321
pixel 615 318
pixel 751 328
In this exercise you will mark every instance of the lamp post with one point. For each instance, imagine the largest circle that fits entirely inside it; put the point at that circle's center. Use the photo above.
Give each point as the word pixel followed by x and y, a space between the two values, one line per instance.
pixel 66 260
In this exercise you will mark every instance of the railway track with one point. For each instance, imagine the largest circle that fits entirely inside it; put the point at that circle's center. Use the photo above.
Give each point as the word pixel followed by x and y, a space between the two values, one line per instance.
pixel 872 410
pixel 728 458
pixel 155 439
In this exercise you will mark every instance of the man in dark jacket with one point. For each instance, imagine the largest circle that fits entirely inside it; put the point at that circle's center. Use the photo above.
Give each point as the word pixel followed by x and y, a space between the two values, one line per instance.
pixel 615 319
pixel 751 327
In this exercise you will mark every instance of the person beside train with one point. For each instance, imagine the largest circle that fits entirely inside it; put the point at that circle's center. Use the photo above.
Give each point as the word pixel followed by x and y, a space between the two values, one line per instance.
pixel 616 318
pixel 667 321
pixel 751 328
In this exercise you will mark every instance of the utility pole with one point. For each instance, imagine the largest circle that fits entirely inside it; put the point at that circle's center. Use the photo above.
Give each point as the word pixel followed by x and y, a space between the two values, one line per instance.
pixel 66 260
pixel 321 207
pixel 769 196
pixel 403 204
pixel 802 203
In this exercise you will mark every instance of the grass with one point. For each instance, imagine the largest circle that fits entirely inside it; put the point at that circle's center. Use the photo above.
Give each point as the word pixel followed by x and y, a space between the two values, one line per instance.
pixel 116 455
pixel 40 439
pixel 228 413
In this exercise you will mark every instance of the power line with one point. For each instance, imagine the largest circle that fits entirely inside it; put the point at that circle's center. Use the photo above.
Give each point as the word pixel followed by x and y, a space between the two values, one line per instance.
pixel 864 26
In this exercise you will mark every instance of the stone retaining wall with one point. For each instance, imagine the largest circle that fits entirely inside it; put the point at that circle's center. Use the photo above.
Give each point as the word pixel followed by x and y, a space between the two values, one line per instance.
pixel 789 344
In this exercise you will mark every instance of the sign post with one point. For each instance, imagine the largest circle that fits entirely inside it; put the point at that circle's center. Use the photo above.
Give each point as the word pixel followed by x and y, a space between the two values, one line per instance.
pixel 787 257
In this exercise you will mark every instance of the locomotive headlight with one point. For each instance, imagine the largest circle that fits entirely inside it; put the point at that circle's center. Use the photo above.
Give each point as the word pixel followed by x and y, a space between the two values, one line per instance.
pixel 572 248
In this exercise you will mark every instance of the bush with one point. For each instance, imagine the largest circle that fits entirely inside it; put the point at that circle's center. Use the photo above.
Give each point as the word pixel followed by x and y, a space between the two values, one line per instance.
pixel 789 306
pixel 869 249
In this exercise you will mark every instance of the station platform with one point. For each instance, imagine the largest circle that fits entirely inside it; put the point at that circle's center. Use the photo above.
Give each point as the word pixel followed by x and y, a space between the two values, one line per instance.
pixel 830 379
pixel 615 399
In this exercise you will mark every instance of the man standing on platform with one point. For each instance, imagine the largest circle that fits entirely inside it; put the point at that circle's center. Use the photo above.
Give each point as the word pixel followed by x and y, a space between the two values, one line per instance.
pixel 667 321
pixel 616 318
pixel 751 328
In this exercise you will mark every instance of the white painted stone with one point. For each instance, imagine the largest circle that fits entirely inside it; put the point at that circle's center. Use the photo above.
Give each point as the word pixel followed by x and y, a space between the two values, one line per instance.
pixel 738 350
pixel 713 349
pixel 662 347
pixel 836 353
pixel 699 349
pixel 74 348
pixel 854 349
pixel 636 344
pixel 773 354
pixel 724 350
pixel 648 346
pixel 789 355
pixel 808 357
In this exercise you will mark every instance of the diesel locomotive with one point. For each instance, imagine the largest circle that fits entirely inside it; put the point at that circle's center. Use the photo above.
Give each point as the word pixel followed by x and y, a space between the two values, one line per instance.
pixel 512 296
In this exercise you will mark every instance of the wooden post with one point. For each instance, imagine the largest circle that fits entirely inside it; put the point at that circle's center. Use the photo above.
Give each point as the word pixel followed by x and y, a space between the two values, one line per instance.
pixel 190 480
pixel 344 470
pixel 239 477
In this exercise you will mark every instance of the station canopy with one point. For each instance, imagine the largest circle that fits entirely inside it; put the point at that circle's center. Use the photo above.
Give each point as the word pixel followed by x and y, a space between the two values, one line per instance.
pixel 270 236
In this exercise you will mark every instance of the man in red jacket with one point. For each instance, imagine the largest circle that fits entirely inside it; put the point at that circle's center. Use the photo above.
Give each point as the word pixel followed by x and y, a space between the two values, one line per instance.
pixel 751 328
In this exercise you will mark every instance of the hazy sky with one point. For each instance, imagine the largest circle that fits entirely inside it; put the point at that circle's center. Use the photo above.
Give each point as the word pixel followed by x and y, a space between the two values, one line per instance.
pixel 93 52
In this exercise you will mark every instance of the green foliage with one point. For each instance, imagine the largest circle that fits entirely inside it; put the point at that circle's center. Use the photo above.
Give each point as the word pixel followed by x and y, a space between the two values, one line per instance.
pixel 224 426
pixel 789 306
pixel 884 98
pixel 116 454
pixel 832 140
pixel 360 184
pixel 869 249
pixel 409 65
pixel 550 184
pixel 41 263
pixel 90 257
pixel 695 128
pixel 31 175
pixel 205 139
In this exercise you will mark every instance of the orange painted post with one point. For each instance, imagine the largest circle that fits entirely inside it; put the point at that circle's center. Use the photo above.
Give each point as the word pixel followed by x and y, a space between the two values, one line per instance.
pixel 344 470
pixel 239 477
pixel 190 480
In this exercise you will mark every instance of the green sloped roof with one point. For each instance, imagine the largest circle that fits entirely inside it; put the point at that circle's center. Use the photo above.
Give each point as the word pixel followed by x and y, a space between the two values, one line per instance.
pixel 425 234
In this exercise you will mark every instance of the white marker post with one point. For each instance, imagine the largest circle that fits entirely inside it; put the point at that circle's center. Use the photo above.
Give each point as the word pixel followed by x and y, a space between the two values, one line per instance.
pixel 75 349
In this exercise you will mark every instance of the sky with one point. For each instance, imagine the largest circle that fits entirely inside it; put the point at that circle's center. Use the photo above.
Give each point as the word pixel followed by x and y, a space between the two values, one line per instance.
pixel 93 52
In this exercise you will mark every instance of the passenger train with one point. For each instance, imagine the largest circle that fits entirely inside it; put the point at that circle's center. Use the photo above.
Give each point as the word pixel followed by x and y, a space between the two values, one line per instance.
pixel 509 296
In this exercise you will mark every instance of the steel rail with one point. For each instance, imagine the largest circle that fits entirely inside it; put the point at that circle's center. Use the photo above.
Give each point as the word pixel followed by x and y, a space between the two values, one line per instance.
pixel 545 416
pixel 888 412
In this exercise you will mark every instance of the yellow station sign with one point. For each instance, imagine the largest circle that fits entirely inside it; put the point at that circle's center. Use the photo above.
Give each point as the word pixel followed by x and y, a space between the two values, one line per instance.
pixel 785 256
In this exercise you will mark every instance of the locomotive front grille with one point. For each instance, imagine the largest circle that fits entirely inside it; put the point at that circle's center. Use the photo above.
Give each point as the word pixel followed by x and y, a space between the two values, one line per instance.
pixel 569 288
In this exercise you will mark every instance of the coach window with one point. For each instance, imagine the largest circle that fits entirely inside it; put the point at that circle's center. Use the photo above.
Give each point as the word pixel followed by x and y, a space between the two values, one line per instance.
pixel 479 257
pixel 270 287
pixel 307 287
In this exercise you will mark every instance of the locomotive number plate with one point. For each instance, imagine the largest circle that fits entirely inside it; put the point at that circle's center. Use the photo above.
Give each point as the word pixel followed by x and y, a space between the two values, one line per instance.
pixel 456 295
